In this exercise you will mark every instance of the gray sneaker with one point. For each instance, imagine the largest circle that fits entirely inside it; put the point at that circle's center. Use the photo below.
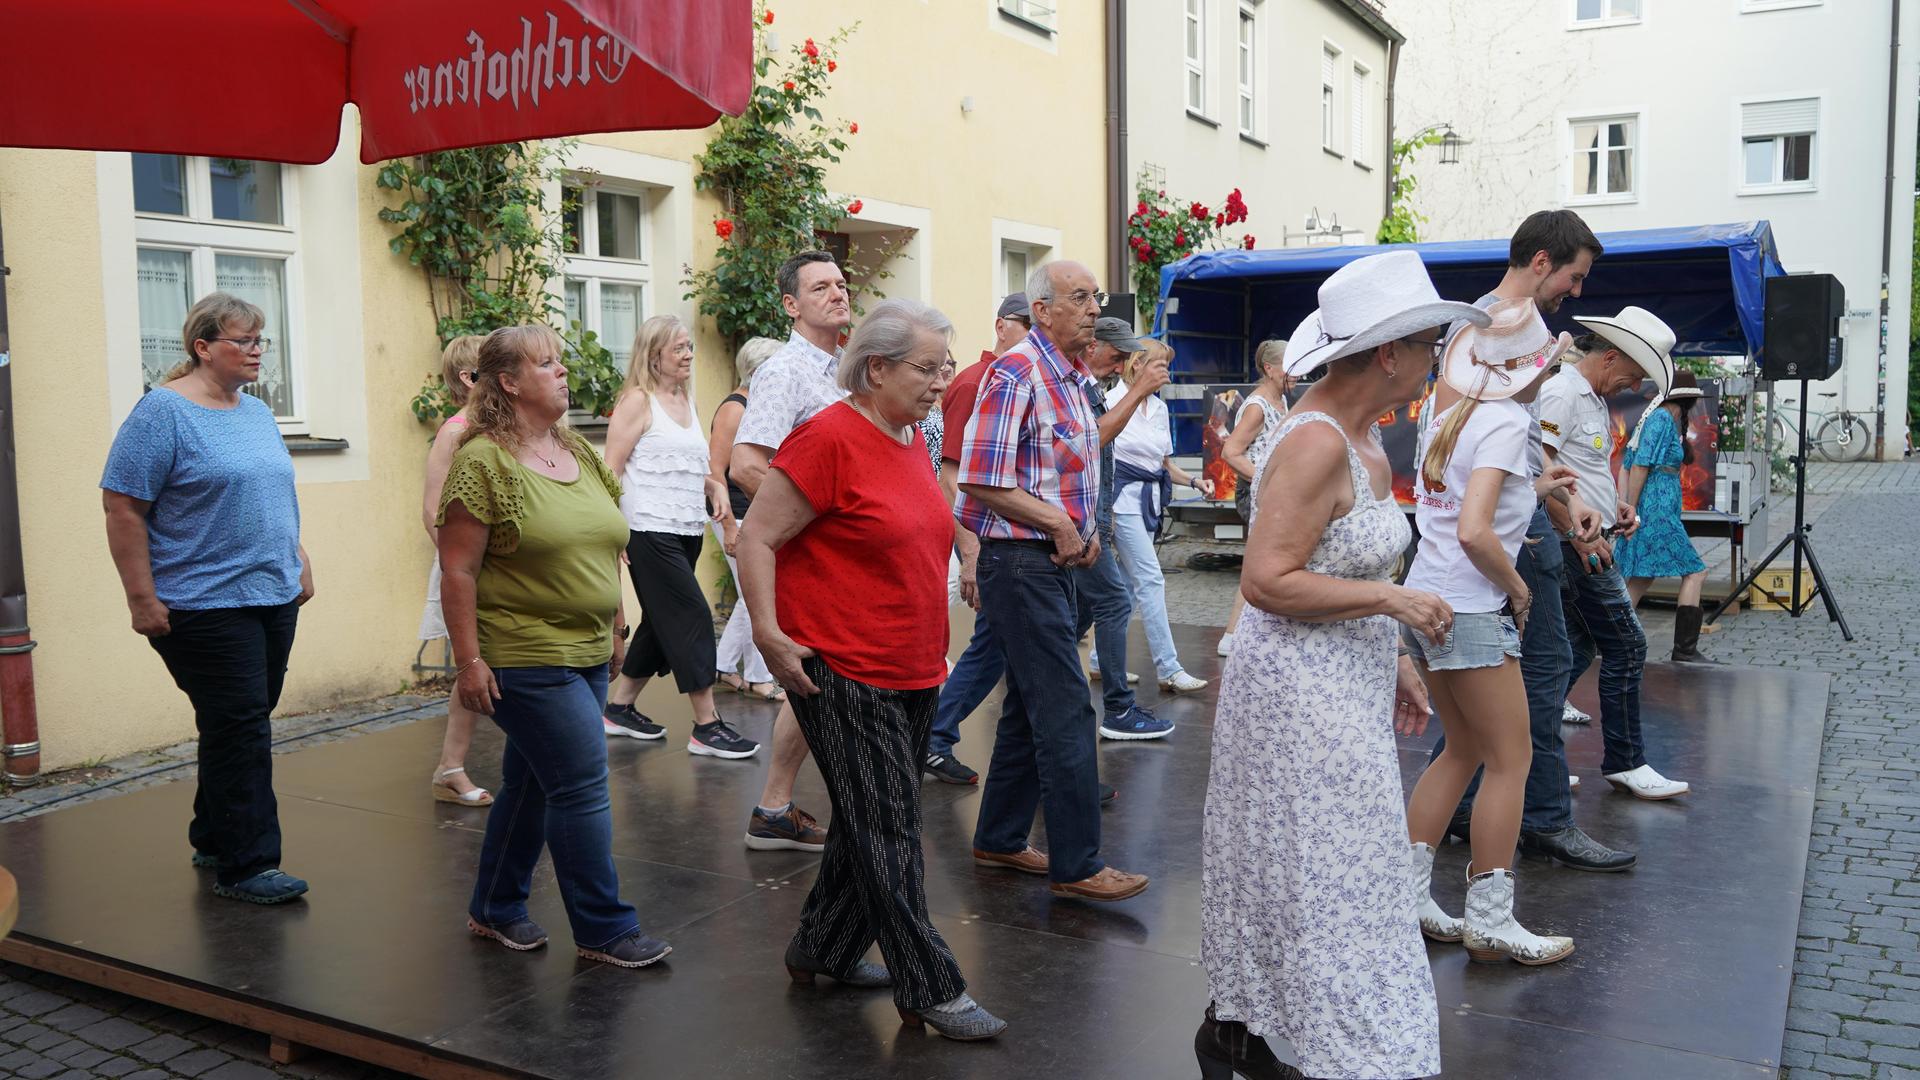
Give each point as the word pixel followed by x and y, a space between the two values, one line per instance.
pixel 520 935
pixel 635 950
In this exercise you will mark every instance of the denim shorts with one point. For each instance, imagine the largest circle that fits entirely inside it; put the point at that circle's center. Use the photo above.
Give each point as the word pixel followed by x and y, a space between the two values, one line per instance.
pixel 1476 640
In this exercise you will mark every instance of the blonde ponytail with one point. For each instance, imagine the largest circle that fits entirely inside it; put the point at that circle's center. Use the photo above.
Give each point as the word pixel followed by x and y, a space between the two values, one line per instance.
pixel 1440 450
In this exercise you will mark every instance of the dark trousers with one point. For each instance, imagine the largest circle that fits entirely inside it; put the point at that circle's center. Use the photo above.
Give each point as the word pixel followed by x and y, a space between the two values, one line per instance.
pixel 1600 618
pixel 552 794
pixel 1043 750
pixel 1105 602
pixel 231 662
pixel 973 677
pixel 1544 662
pixel 676 625
pixel 868 742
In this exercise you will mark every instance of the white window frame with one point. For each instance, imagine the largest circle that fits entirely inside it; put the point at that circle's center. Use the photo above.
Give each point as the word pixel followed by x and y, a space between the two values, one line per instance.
pixel 1038 241
pixel 1638 118
pixel 1330 57
pixel 1247 71
pixel 1575 22
pixel 1750 7
pixel 1360 114
pixel 594 270
pixel 1193 25
pixel 204 237
pixel 1814 150
pixel 1041 17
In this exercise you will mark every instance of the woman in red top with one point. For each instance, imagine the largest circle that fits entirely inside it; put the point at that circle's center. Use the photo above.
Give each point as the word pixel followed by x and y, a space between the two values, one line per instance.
pixel 843 567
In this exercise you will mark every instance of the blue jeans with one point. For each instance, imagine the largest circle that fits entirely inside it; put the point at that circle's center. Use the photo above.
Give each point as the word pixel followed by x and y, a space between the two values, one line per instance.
pixel 1134 546
pixel 973 677
pixel 1101 592
pixel 1544 661
pixel 553 794
pixel 1600 618
pixel 1043 751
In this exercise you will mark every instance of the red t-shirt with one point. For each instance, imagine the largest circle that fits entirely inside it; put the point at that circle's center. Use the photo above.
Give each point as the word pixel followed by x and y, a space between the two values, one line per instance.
pixel 956 405
pixel 865 583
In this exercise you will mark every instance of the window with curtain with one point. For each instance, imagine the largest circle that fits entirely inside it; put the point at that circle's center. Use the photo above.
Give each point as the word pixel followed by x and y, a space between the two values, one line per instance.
pixel 608 266
pixel 1776 143
pixel 203 225
pixel 1602 167
pixel 1196 54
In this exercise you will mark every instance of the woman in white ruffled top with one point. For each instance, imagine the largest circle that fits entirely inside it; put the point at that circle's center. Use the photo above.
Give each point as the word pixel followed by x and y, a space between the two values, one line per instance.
pixel 669 494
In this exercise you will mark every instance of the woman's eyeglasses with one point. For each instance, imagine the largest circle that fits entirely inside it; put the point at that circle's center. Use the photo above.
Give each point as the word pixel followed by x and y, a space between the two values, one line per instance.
pixel 249 344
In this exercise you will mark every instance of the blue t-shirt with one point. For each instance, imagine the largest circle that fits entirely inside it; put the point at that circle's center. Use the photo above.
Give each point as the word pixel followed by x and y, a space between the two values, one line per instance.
pixel 224 528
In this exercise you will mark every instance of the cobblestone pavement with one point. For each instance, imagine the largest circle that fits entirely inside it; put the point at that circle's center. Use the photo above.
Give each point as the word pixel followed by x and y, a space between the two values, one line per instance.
pixel 1855 1007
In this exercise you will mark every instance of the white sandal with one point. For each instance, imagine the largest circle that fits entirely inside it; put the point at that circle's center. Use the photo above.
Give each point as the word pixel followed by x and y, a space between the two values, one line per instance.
pixel 444 792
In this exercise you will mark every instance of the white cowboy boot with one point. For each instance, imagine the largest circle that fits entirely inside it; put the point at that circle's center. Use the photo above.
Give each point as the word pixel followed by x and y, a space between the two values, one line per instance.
pixel 1491 932
pixel 1646 782
pixel 1434 921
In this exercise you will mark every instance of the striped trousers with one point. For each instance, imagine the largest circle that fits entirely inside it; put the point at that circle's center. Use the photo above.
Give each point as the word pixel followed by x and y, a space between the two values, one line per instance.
pixel 868 743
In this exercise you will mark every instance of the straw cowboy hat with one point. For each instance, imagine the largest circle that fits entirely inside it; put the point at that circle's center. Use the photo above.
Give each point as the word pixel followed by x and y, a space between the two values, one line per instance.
pixel 1505 356
pixel 1642 338
pixel 1370 302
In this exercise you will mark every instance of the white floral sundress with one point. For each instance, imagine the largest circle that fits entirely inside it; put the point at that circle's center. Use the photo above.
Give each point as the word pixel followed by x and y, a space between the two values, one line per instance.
pixel 1309 931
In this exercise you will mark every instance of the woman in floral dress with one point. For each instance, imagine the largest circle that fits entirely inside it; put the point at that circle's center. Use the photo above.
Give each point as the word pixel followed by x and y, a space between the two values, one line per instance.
pixel 1660 547
pixel 1308 894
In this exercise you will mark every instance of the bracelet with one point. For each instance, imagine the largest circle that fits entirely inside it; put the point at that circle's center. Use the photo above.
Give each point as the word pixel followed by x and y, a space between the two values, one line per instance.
pixel 462 669
pixel 621 632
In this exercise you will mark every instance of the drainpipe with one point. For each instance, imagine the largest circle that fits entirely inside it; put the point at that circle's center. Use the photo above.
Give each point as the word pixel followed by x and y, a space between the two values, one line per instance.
pixel 1886 241
pixel 21 729
pixel 1118 271
pixel 1393 74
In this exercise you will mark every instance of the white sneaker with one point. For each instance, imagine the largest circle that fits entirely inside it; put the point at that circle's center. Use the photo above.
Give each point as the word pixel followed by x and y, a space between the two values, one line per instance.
pixel 1225 647
pixel 1646 783
pixel 1434 920
pixel 1569 714
pixel 1182 683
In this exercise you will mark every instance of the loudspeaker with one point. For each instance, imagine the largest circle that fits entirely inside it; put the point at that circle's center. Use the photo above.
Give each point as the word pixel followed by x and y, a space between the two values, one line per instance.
pixel 1120 305
pixel 1802 327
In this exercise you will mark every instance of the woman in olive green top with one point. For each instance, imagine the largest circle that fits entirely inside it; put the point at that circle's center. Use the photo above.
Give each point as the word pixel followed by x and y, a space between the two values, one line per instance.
pixel 530 541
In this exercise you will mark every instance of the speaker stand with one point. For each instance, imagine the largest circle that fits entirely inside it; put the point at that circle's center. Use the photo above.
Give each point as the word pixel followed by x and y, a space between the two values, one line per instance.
pixel 1802 541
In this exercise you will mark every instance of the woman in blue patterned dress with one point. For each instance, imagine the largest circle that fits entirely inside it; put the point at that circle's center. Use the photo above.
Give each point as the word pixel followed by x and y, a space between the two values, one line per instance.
pixel 1660 547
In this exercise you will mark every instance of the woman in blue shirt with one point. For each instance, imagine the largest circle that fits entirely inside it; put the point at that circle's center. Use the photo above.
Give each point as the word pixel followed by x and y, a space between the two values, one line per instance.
pixel 1650 482
pixel 204 529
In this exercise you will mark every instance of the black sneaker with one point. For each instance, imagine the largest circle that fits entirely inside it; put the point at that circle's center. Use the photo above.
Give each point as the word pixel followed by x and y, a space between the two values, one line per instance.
pixel 630 722
pixel 520 935
pixel 948 770
pixel 716 739
pixel 636 950
pixel 265 887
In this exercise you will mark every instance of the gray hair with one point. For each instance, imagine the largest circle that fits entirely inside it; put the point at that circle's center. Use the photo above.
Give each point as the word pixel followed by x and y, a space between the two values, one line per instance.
pixel 890 331
pixel 751 355
pixel 1040 283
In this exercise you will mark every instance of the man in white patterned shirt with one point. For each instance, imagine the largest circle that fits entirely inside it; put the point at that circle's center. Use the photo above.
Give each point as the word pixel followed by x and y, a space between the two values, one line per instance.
pixel 793 384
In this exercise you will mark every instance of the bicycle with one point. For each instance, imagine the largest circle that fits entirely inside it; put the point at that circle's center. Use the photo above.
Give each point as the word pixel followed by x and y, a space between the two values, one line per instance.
pixel 1838 435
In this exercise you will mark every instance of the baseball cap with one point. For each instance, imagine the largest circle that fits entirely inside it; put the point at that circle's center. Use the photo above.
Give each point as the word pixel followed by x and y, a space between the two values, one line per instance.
pixel 1015 305
pixel 1117 333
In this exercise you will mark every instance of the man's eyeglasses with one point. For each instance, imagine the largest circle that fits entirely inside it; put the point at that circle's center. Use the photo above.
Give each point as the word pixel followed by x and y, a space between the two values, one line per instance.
pixel 1434 348
pixel 249 344
pixel 1081 299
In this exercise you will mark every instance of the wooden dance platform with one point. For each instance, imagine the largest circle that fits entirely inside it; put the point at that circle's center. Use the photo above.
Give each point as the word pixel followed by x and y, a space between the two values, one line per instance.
pixel 1682 969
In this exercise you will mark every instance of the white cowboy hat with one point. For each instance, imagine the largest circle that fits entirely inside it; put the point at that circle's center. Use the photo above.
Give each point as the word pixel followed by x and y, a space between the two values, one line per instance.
pixel 1504 357
pixel 1644 339
pixel 1370 302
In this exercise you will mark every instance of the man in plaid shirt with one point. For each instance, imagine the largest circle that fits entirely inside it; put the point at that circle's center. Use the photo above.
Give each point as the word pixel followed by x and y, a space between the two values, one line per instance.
pixel 1029 487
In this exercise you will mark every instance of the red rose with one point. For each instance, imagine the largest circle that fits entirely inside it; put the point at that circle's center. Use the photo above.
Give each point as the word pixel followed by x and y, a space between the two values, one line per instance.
pixel 1144 254
pixel 767 18
pixel 853 129
pixel 811 49
pixel 1159 213
pixel 854 206
pixel 1140 207
pixel 831 65
pixel 1219 220
pixel 787 86
pixel 723 228
pixel 1179 237
pixel 1249 244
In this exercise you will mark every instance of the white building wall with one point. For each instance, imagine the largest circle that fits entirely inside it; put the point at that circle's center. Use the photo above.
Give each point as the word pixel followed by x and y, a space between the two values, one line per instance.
pixel 1511 74
pixel 1280 167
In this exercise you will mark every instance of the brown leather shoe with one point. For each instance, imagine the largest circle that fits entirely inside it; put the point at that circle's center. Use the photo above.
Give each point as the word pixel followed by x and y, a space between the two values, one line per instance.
pixel 1030 861
pixel 1108 884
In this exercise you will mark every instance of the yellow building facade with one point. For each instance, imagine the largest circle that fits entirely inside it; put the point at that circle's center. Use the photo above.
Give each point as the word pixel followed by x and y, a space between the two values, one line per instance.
pixel 980 153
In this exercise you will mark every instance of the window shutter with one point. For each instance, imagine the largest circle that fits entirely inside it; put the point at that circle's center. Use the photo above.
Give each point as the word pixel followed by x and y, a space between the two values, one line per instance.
pixel 1360 104
pixel 1797 117
pixel 1326 67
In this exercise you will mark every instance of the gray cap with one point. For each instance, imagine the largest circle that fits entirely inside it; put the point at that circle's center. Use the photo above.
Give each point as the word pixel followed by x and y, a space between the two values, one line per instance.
pixel 1117 333
pixel 1014 304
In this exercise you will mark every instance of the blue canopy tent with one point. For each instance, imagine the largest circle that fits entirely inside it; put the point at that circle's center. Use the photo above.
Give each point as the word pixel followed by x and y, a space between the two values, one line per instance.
pixel 1708 282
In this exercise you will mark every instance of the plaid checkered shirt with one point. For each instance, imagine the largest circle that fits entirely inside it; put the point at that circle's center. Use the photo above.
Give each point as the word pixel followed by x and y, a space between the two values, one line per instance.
pixel 1033 429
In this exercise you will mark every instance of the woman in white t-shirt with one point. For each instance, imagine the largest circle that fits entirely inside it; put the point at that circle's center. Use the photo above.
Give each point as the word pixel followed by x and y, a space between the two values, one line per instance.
pixel 1254 431
pixel 1474 497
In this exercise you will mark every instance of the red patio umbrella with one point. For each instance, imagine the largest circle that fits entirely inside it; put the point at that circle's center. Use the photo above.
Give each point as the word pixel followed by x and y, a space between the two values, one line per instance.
pixel 265 79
